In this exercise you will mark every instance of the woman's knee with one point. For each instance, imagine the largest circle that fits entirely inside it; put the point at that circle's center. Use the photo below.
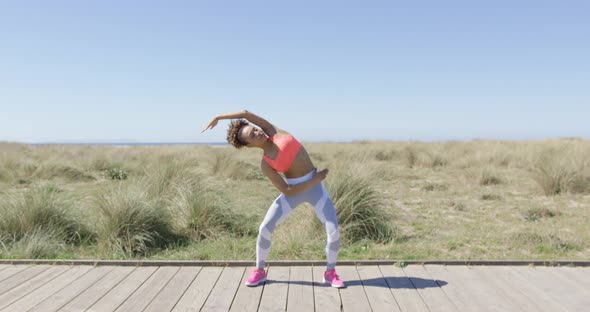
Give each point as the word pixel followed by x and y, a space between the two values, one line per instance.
pixel 265 229
pixel 333 241
pixel 331 227
pixel 262 226
pixel 332 230
pixel 333 235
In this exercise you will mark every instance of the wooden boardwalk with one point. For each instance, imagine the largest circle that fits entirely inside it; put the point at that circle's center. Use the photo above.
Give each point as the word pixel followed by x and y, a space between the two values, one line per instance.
pixel 44 287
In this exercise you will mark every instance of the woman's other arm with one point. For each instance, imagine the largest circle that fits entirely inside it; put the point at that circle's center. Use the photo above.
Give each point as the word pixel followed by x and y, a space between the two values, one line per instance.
pixel 290 190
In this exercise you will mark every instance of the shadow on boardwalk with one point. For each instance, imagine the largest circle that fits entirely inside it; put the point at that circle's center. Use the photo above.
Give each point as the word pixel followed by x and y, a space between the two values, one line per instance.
pixel 391 282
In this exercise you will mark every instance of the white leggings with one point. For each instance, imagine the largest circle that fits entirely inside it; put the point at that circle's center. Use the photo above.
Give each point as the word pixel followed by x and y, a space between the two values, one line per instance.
pixel 280 209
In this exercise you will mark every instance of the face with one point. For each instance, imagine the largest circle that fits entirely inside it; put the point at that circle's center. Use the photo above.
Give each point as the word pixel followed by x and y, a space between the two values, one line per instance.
pixel 252 136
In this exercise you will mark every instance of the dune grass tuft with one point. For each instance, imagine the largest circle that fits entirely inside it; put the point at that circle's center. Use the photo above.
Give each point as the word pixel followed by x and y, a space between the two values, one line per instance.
pixel 161 177
pixel 490 196
pixel 538 213
pixel 561 171
pixel 40 243
pixel 436 159
pixel 386 155
pixel 225 165
pixel 359 209
pixel 435 187
pixel 40 209
pixel 411 156
pixel 50 170
pixel 200 214
pixel 488 177
pixel 130 222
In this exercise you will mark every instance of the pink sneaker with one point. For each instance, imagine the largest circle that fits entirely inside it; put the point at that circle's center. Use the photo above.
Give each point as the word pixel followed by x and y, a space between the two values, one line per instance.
pixel 257 277
pixel 333 279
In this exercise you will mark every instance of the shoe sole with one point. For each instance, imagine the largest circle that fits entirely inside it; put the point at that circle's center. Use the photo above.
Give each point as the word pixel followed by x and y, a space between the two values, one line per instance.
pixel 258 283
pixel 326 282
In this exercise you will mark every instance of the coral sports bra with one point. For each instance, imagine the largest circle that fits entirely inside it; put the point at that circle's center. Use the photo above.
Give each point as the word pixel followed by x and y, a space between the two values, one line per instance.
pixel 288 148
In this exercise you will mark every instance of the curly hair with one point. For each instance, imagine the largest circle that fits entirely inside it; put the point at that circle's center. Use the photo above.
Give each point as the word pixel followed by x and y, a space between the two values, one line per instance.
pixel 233 133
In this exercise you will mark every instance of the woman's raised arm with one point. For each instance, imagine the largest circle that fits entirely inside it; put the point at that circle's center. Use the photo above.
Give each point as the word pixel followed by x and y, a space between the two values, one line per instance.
pixel 213 122
pixel 266 126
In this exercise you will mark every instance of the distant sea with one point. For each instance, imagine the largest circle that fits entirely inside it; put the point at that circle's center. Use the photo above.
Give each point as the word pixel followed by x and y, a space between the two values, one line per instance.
pixel 131 143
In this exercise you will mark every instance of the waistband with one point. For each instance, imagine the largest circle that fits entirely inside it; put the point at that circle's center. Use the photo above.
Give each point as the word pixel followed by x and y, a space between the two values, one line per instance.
pixel 302 179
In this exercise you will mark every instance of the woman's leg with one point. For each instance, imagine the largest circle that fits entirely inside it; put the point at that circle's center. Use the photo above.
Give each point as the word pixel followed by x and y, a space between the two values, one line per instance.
pixel 277 213
pixel 324 209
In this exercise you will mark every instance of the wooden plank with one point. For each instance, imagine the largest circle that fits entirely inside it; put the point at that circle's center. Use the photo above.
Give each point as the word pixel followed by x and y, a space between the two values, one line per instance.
pixel 378 293
pixel 326 298
pixel 247 298
pixel 86 299
pixel 11 270
pixel 354 298
pixel 434 297
pixel 117 295
pixel 149 289
pixel 21 277
pixel 570 295
pixel 455 288
pixel 403 290
pixel 514 292
pixel 30 285
pixel 578 275
pixel 172 292
pixel 60 298
pixel 196 294
pixel 3 266
pixel 33 298
pixel 274 296
pixel 486 296
pixel 224 291
pixel 498 282
pixel 571 279
pixel 300 297
pixel 525 286
pixel 553 288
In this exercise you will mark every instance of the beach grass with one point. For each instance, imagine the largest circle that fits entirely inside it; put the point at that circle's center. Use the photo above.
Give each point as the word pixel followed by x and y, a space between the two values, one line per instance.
pixel 454 200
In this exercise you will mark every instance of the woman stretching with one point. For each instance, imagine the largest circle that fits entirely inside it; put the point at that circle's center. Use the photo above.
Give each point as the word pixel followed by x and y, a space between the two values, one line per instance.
pixel 284 154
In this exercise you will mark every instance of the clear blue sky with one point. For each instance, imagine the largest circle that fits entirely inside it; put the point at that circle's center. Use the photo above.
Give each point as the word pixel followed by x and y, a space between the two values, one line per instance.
pixel 340 70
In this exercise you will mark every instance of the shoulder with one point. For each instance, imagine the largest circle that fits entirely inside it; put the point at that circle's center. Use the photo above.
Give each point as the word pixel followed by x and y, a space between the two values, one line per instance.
pixel 281 133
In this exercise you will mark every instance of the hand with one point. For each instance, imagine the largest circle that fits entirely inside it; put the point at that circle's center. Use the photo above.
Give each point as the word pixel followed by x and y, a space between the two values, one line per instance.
pixel 322 174
pixel 212 124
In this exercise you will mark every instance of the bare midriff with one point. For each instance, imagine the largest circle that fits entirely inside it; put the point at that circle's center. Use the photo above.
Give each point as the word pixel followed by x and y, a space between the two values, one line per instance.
pixel 300 166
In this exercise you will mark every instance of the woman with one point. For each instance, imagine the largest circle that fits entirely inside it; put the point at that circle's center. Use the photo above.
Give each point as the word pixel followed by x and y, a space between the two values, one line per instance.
pixel 284 154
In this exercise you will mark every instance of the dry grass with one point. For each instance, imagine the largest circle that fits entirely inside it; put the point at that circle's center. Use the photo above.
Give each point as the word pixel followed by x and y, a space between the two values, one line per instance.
pixel 560 170
pixel 130 222
pixel 481 199
pixel 359 208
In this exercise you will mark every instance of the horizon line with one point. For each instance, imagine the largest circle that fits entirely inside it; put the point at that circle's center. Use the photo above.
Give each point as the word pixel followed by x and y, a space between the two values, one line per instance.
pixel 135 142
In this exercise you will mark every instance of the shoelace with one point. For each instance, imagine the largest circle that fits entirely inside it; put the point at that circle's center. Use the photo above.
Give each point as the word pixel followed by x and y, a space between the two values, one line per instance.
pixel 335 276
